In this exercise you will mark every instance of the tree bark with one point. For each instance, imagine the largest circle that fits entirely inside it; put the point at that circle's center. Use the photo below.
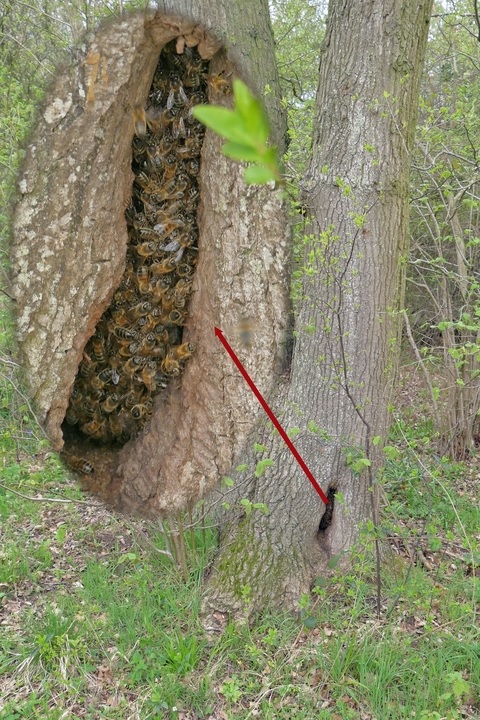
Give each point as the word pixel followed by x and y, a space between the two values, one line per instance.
pixel 69 247
pixel 347 326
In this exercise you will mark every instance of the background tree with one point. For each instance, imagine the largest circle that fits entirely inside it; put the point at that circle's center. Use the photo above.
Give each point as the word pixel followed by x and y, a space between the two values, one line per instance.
pixel 443 278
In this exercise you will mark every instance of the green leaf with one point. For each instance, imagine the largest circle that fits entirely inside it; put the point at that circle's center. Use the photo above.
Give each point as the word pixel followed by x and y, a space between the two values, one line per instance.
pixel 310 622
pixel 250 109
pixel 224 122
pixel 262 466
pixel 228 482
pixel 247 504
pixel 242 468
pixel 244 153
pixel 244 99
pixel 391 452
pixel 270 156
pixel 320 582
pixel 262 507
pixel 377 440
pixel 333 562
pixel 259 448
pixel 259 175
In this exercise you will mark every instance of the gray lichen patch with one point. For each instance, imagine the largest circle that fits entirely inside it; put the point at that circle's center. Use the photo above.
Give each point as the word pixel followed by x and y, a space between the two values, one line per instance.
pixel 57 109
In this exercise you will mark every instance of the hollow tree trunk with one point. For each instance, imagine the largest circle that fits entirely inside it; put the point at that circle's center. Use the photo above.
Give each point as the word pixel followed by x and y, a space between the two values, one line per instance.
pixel 70 243
pixel 347 330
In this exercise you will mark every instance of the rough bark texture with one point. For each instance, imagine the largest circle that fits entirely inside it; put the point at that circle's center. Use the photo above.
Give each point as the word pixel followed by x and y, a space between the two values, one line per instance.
pixel 68 255
pixel 356 193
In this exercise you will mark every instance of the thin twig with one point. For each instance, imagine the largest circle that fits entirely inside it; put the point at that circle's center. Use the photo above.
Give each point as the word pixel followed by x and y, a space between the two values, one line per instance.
pixel 419 359
pixel 65 501
pixel 19 392
pixel 24 47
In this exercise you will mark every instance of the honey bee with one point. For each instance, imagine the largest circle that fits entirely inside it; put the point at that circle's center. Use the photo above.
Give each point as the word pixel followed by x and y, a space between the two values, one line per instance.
pixel 192 167
pixel 139 147
pixel 148 375
pixel 106 375
pixel 191 147
pixel 129 350
pixel 170 225
pixel 76 396
pixel 161 380
pixel 182 352
pixel 125 334
pixel 169 167
pixel 120 425
pixel 157 154
pixel 191 196
pixel 140 309
pixel 157 313
pixel 118 302
pixel 185 270
pixel 142 410
pixel 95 429
pixel 177 96
pixel 163 267
pixel 134 364
pixel 143 181
pixel 159 352
pixel 174 242
pixel 139 121
pixel 78 464
pixel 162 336
pixel 154 120
pixel 149 342
pixel 182 289
pixel 73 416
pixel 143 277
pixel 120 317
pixel 178 128
pixel 220 84
pixel 177 317
pixel 96 385
pixel 87 366
pixel 110 403
pixel 196 98
pixel 145 325
pixel 170 365
pixel 167 190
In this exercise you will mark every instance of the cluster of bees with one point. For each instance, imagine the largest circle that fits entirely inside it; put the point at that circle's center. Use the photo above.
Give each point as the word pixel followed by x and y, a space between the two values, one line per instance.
pixel 137 346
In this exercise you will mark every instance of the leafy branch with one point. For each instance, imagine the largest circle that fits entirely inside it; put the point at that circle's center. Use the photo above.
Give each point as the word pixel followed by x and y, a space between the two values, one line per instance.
pixel 247 130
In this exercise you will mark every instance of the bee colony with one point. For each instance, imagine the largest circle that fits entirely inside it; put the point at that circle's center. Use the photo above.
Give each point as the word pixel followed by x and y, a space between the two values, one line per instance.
pixel 137 346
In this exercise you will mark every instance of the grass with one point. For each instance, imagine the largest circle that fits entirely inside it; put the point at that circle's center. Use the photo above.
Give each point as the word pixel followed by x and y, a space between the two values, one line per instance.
pixel 97 624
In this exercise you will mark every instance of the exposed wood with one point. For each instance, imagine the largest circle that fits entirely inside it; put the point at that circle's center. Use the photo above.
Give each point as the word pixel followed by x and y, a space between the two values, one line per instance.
pixel 68 257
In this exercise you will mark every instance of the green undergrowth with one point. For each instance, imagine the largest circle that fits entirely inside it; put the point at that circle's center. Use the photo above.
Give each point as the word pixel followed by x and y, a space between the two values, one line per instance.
pixel 97 622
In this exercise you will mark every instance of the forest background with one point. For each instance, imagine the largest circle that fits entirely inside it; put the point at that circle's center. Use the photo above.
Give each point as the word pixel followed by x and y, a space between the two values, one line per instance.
pixel 97 620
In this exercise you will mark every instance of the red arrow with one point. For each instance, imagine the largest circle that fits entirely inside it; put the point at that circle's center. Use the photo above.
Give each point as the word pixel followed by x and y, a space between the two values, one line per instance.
pixel 270 414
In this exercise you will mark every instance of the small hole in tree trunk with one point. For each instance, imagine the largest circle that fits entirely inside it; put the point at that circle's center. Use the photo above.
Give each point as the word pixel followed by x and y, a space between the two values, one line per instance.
pixel 326 519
